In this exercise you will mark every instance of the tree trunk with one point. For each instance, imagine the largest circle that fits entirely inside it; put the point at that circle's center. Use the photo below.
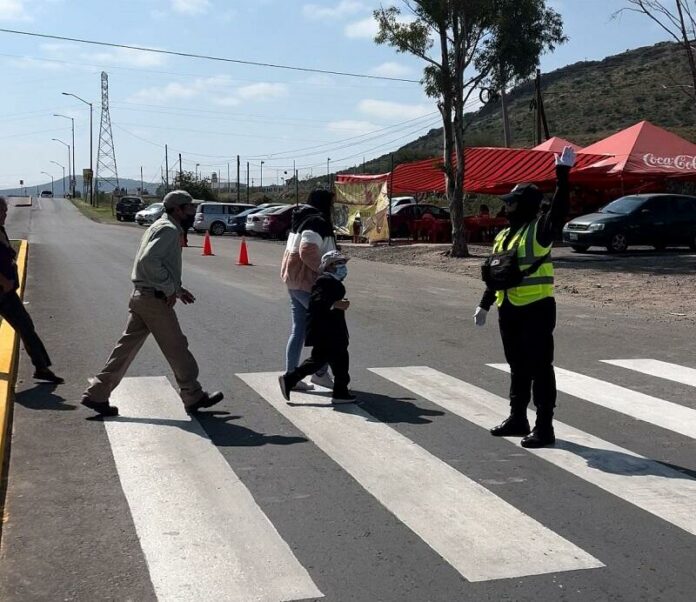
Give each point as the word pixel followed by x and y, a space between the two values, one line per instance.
pixel 687 47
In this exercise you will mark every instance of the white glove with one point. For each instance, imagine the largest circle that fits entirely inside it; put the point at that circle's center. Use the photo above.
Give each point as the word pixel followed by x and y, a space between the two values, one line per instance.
pixel 480 316
pixel 567 157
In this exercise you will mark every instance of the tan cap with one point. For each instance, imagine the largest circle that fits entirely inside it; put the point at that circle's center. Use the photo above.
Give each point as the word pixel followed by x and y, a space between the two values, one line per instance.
pixel 176 198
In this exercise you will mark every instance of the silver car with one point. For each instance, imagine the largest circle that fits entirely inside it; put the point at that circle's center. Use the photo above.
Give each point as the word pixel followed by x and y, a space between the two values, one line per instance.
pixel 150 214
pixel 216 217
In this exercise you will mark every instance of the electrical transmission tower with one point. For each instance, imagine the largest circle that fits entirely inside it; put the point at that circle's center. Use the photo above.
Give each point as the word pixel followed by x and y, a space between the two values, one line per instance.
pixel 107 174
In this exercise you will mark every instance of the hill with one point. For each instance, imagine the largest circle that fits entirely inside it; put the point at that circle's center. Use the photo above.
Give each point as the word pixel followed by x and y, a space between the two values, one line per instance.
pixel 128 184
pixel 584 102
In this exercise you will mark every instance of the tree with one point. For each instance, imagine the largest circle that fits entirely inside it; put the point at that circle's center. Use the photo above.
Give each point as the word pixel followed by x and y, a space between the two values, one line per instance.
pixel 679 23
pixel 198 188
pixel 477 43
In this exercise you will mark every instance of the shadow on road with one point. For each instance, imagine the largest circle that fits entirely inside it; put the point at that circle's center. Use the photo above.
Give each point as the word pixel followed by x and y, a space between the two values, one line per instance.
pixel 42 397
pixel 624 464
pixel 639 261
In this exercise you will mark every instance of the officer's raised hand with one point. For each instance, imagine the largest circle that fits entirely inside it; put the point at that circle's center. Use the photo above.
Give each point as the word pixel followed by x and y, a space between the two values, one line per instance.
pixel 480 316
pixel 566 158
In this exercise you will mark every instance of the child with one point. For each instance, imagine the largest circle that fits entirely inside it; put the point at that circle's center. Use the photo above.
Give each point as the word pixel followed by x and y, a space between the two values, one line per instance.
pixel 327 332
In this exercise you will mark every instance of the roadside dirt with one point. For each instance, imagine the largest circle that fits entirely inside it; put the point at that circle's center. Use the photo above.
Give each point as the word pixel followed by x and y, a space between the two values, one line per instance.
pixel 660 283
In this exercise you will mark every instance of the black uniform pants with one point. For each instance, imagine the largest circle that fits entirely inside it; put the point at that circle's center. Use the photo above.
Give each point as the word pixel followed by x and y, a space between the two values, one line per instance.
pixel 527 334
pixel 337 358
pixel 12 309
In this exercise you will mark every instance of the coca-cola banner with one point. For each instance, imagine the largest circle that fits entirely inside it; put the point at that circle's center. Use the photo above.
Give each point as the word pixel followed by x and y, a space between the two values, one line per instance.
pixel 680 162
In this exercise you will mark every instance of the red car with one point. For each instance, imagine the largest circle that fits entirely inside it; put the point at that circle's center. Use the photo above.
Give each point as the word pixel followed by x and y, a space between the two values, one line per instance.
pixel 276 223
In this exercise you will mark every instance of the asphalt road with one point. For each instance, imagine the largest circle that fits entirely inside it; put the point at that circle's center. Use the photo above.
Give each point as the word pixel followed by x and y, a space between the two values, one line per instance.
pixel 403 498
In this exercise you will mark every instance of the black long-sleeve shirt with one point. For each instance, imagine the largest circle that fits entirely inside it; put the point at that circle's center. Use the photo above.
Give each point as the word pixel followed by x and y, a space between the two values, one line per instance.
pixel 548 223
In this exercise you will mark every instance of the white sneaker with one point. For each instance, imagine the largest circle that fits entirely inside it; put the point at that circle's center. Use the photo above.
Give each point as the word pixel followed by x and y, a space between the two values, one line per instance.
pixel 303 386
pixel 323 381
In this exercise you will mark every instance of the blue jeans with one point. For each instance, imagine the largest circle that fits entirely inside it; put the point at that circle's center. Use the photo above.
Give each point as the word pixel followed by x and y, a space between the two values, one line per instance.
pixel 299 304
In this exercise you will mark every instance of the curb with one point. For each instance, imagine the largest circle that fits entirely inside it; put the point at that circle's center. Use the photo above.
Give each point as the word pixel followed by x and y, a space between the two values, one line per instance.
pixel 9 344
pixel 28 203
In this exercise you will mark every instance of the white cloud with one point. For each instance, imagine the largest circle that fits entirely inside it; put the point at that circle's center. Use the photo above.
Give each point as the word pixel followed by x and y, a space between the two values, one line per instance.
pixel 391 69
pixel 342 9
pixel 350 126
pixel 13 10
pixel 172 91
pixel 262 91
pixel 365 28
pixel 125 56
pixel 393 111
pixel 191 7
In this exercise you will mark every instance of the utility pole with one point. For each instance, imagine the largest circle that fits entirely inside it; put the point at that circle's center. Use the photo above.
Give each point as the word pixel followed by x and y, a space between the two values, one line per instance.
pixel 239 197
pixel 228 178
pixel 166 169
pixel 328 176
pixel 91 145
pixel 261 182
pixel 142 186
pixel 181 171
pixel 247 182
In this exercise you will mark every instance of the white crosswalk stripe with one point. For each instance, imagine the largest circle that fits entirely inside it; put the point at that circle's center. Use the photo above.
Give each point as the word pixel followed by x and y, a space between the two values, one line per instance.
pixel 203 535
pixel 665 414
pixel 479 534
pixel 647 484
pixel 673 372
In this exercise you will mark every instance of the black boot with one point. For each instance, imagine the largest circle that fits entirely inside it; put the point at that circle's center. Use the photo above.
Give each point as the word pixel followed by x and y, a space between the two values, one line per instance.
pixel 516 425
pixel 543 434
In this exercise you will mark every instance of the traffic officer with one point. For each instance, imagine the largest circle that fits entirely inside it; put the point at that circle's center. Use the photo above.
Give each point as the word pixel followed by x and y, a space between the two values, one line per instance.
pixel 156 278
pixel 527 312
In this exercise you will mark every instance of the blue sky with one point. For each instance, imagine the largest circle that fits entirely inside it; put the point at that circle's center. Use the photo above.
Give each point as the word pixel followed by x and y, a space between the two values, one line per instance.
pixel 211 111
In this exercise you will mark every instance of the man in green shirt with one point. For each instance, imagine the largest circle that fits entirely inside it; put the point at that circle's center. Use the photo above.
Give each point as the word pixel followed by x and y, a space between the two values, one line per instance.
pixel 156 278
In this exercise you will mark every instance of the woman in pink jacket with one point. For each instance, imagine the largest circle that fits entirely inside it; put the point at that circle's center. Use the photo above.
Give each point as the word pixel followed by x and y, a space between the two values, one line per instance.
pixel 311 235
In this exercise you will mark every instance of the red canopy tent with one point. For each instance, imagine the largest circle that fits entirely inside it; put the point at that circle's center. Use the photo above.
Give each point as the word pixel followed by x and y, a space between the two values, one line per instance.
pixel 556 145
pixel 642 155
pixel 487 170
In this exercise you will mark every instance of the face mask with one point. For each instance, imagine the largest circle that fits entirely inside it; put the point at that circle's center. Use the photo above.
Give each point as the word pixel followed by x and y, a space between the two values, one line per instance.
pixel 341 272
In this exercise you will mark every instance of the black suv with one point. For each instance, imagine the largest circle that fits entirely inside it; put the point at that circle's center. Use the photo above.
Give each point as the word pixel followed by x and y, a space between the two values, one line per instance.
pixel 127 207
pixel 657 220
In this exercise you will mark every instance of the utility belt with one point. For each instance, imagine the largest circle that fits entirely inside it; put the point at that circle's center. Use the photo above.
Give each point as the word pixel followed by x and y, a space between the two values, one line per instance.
pixel 148 290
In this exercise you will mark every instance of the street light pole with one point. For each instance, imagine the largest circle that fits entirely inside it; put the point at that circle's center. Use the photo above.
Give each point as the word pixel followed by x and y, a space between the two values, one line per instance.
pixel 68 146
pixel 91 138
pixel 50 176
pixel 72 120
pixel 63 168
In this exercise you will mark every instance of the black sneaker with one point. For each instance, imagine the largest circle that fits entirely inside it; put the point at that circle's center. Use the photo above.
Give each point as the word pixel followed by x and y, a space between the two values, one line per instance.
pixel 343 397
pixel 48 375
pixel 207 401
pixel 103 408
pixel 514 426
pixel 285 387
pixel 539 438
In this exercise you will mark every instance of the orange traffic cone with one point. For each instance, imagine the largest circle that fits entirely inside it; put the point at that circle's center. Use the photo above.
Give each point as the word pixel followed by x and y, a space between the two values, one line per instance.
pixel 207 248
pixel 243 255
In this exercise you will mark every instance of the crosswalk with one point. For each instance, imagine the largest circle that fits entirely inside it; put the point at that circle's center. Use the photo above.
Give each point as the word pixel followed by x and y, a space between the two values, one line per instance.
pixel 189 506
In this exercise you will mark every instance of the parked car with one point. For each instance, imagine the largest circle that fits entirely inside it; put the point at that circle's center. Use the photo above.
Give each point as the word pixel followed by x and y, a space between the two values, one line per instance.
pixel 237 223
pixel 127 207
pixel 403 216
pixel 276 223
pixel 46 194
pixel 397 201
pixel 150 214
pixel 658 220
pixel 216 217
pixel 254 221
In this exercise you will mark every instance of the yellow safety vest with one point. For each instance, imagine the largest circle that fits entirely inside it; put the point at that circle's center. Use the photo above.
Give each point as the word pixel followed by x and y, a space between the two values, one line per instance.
pixel 536 286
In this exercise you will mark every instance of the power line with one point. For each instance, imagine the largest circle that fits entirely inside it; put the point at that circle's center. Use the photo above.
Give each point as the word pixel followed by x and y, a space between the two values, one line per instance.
pixel 207 57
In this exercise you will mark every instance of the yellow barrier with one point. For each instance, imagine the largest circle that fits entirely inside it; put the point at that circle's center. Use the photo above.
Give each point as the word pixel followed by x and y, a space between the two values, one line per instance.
pixel 9 344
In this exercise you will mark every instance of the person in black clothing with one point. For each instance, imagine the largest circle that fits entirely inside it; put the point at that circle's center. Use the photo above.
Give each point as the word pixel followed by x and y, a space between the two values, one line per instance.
pixel 527 329
pixel 327 332
pixel 12 309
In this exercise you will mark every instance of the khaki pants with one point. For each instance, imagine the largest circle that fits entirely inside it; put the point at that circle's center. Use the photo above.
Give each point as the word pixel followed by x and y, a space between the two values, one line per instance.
pixel 148 314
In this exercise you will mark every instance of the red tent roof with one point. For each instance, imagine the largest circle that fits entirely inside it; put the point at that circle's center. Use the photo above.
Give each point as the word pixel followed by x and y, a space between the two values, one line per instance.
pixel 556 145
pixel 487 170
pixel 645 150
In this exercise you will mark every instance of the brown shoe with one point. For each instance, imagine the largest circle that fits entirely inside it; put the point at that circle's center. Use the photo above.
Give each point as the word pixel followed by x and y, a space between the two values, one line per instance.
pixel 207 401
pixel 48 375
pixel 103 408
